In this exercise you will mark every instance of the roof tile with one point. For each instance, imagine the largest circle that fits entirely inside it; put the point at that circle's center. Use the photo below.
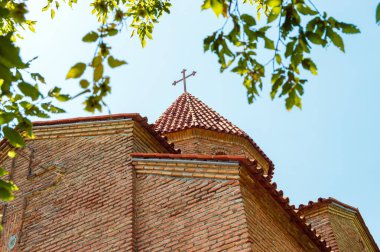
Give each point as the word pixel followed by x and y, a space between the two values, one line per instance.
pixel 189 112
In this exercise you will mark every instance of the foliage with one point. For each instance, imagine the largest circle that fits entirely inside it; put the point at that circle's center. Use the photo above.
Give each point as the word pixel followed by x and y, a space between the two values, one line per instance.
pixel 113 16
pixel 21 95
pixel 298 26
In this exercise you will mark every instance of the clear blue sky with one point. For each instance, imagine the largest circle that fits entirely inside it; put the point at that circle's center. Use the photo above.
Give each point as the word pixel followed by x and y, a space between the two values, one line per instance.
pixel 330 148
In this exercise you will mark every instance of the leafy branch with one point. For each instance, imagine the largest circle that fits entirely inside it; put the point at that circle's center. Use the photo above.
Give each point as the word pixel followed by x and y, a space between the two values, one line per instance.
pixel 113 16
pixel 301 27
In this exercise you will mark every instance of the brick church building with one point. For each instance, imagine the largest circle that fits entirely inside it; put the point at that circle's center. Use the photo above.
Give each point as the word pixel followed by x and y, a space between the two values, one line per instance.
pixel 192 181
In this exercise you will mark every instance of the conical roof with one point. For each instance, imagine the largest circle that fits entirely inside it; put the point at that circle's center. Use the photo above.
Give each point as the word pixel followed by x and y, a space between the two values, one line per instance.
pixel 189 112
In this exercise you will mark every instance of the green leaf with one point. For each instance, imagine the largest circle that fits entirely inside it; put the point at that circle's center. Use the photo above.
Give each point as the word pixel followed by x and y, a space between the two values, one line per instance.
pixel 6 195
pixel 292 100
pixel 90 37
pixel 252 35
pixel 6 117
pixel 314 38
pixel 206 4
pixel 52 13
pixel 274 3
pixel 39 77
pixel 13 137
pixel 335 38
pixel 62 97
pixel 56 93
pixel 248 19
pixel 3 172
pixel 112 32
pixel 308 64
pixel 112 62
pixel 29 90
pixel 98 72
pixel 76 71
pixel 312 24
pixel 6 188
pixel 289 48
pixel 378 14
pixel 217 6
pixel 9 185
pixel 84 83
pixel 51 108
pixel 143 42
pixel 273 14
pixel 92 103
pixel 269 44
pixel 349 28
pixel 46 7
pixel 207 41
pixel 96 61
pixel 9 54
pixel 278 58
pixel 296 59
pixel 11 153
pixel 276 85
pixel 306 10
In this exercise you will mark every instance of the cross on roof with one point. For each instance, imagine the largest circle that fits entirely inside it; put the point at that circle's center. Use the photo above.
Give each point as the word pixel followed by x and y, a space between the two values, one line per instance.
pixel 184 79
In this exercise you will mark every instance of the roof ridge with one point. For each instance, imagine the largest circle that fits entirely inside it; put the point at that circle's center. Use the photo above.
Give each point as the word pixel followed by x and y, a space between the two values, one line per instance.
pixel 188 98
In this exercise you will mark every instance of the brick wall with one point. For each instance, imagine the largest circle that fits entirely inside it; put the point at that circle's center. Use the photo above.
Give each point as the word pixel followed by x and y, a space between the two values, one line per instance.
pixel 80 191
pixel 78 208
pixel 347 234
pixel 319 220
pixel 208 146
pixel 189 215
pixel 215 143
pixel 340 227
pixel 270 228
pixel 76 188
pixel 180 205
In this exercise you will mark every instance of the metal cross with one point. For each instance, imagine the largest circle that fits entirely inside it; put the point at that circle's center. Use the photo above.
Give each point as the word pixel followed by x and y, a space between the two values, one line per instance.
pixel 184 78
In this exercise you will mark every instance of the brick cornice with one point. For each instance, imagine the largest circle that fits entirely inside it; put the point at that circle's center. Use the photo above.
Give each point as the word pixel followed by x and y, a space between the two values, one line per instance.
pixel 143 121
pixel 187 169
pixel 89 126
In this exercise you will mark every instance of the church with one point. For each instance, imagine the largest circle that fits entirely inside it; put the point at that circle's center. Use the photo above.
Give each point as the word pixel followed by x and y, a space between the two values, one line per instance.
pixel 192 181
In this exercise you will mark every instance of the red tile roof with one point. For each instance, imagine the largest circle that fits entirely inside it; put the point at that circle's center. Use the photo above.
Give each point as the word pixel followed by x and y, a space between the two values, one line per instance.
pixel 323 202
pixel 258 174
pixel 189 112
